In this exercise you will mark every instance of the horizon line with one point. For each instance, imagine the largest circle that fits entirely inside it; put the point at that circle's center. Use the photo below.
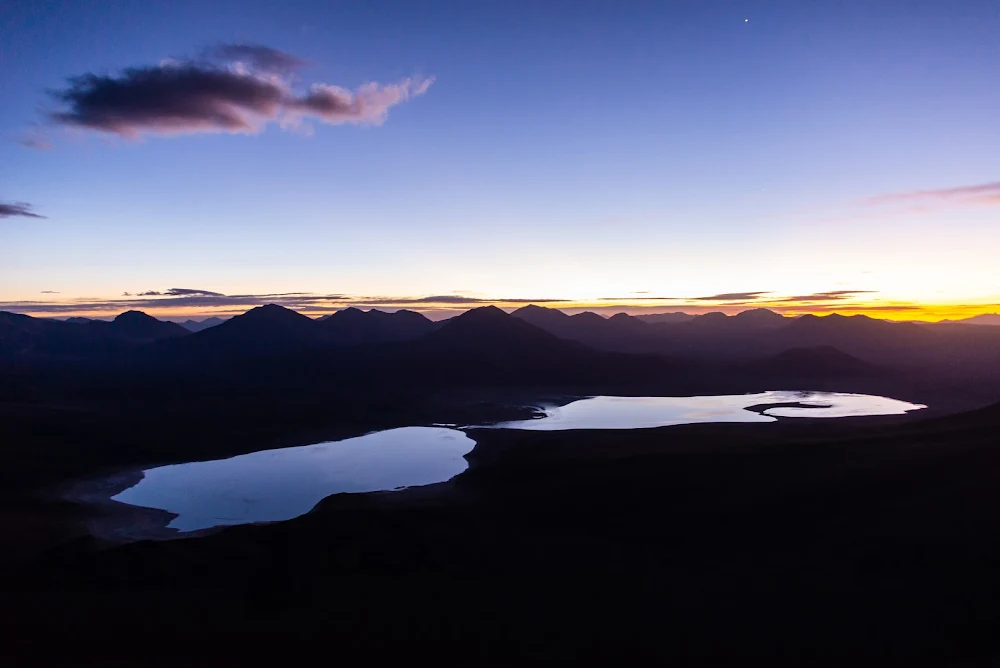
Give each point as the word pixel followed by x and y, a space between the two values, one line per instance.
pixel 899 312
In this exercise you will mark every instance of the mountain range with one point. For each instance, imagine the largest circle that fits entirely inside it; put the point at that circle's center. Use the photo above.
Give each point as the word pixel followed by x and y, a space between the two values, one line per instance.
pixel 533 343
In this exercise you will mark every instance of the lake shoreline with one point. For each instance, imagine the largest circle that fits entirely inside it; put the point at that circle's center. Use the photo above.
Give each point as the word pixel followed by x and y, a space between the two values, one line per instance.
pixel 117 522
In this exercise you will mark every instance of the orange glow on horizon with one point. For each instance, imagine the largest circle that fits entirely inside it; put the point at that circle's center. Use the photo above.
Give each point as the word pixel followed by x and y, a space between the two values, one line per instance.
pixel 898 311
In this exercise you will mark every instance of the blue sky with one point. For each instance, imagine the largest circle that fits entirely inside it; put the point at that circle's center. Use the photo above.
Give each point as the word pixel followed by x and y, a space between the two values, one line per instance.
pixel 565 150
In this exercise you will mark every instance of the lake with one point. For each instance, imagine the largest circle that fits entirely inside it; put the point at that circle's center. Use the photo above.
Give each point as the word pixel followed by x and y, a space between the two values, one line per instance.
pixel 645 412
pixel 276 485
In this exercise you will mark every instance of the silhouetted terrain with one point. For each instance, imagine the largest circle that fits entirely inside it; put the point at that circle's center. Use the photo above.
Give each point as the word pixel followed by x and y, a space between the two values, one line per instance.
pixel 23 337
pixel 759 333
pixel 982 319
pixel 665 317
pixel 198 325
pixel 353 326
pixel 798 542
pixel 272 351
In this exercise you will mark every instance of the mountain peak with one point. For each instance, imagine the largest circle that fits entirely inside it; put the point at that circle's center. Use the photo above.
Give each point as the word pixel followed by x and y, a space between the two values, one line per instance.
pixel 134 316
pixel 483 314
pixel 535 308
pixel 271 312
pixel 141 326
pixel 759 314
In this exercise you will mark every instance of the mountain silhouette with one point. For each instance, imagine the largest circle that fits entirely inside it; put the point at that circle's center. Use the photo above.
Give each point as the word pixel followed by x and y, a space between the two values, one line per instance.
pixel 656 318
pixel 489 327
pixel 137 326
pixel 198 325
pixel 262 330
pixel 352 326
pixel 858 335
pixel 488 346
pixel 981 319
pixel 762 317
pixel 24 337
pixel 621 332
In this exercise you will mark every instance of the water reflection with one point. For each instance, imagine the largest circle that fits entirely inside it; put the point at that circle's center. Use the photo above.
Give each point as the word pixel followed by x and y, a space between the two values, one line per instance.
pixel 275 485
pixel 644 412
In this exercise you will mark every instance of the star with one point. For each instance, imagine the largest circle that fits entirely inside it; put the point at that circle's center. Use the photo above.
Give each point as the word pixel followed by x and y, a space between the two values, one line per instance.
pixel 746 20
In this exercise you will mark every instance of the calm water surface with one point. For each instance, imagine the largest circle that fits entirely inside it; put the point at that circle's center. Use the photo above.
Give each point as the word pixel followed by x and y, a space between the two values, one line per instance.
pixel 643 412
pixel 275 485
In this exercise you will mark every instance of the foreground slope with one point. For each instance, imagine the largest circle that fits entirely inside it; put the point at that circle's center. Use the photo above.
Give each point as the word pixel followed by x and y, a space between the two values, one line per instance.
pixel 771 544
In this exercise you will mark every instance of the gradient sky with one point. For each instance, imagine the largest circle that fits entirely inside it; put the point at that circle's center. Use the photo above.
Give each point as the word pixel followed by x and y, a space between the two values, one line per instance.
pixel 825 155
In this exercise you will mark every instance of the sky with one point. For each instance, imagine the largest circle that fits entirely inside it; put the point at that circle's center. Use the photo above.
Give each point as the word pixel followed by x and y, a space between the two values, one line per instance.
pixel 193 158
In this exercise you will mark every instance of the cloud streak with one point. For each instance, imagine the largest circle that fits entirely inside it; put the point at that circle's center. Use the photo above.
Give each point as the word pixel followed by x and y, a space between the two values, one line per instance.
pixel 248 91
pixel 177 292
pixel 732 296
pixel 187 299
pixel 833 295
pixel 18 209
pixel 984 193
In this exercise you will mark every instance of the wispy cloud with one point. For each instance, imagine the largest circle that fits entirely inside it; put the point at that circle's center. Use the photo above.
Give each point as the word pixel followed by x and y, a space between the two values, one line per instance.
pixel 851 308
pixel 242 90
pixel 22 209
pixel 732 296
pixel 207 301
pixel 984 193
pixel 833 295
pixel 176 292
pixel 643 298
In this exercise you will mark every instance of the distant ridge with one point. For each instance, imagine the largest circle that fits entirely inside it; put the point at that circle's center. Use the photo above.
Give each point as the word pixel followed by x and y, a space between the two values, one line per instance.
pixel 762 316
pixel 261 330
pixel 24 337
pixel 352 326
pixel 138 327
pixel 612 333
pixel 490 326
pixel 654 318
pixel 489 346
pixel 199 325
pixel 990 319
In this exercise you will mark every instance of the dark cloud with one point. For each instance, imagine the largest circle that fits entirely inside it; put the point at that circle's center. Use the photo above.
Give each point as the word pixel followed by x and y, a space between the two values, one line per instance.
pixel 170 99
pixel 257 56
pixel 190 96
pixel 848 308
pixel 183 298
pixel 984 193
pixel 832 295
pixel 732 296
pixel 178 292
pixel 23 209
